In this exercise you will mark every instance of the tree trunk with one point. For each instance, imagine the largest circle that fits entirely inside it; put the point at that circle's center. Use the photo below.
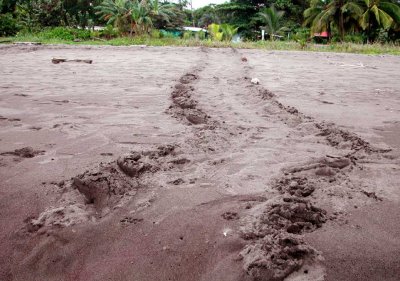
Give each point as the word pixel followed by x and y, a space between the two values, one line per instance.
pixel 341 26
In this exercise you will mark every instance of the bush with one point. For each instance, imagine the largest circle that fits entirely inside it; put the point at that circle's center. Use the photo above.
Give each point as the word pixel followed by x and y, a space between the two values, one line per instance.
pixel 8 25
pixel 155 33
pixel 354 38
pixel 187 35
pixel 83 34
pixel 202 35
pixel 109 32
pixel 383 36
pixel 64 33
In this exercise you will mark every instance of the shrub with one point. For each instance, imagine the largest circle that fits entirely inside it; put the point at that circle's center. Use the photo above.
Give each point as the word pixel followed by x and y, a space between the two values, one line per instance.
pixel 202 35
pixel 214 30
pixel 383 36
pixel 8 25
pixel 64 33
pixel 57 33
pixel 83 34
pixel 354 38
pixel 155 33
pixel 187 35
pixel 109 32
pixel 302 36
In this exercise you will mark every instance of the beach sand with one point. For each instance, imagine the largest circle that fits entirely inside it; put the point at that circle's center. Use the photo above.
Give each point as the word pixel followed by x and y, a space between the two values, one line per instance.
pixel 166 163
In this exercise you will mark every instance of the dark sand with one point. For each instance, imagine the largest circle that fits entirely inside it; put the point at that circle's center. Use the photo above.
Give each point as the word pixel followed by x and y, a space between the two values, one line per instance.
pixel 169 164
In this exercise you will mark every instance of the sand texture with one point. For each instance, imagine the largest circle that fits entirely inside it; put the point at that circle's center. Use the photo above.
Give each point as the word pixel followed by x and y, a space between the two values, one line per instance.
pixel 198 164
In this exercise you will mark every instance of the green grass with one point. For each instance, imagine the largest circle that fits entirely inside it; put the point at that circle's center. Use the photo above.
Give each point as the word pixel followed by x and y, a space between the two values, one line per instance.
pixel 266 45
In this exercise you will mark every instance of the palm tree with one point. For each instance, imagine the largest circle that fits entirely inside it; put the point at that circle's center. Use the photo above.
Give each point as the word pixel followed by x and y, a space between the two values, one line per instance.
pixel 116 12
pixel 134 15
pixel 164 11
pixel 340 13
pixel 272 20
pixel 384 13
pixel 141 18
pixel 146 11
pixel 228 31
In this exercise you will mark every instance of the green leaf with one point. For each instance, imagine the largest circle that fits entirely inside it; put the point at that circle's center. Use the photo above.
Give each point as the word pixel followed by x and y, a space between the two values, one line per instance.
pixel 392 9
pixel 386 20
pixel 364 20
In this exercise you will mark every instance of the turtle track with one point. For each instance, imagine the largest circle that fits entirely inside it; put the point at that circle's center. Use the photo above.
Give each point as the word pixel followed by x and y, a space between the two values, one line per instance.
pixel 274 228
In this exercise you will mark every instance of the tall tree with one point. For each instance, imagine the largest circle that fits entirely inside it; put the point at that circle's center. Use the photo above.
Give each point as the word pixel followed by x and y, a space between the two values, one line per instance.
pixel 117 13
pixel 322 16
pixel 383 13
pixel 272 19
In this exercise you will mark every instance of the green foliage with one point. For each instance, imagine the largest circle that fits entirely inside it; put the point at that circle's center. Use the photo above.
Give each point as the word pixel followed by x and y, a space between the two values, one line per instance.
pixel 351 15
pixel 45 12
pixel 187 35
pixel 155 33
pixel 344 20
pixel 7 6
pixel 228 31
pixel 205 16
pixel 117 13
pixel 354 38
pixel 135 16
pixel 214 30
pixel 108 32
pixel 201 35
pixel 65 33
pixel 272 20
pixel 301 37
pixel 264 45
pixel 384 14
pixel 8 25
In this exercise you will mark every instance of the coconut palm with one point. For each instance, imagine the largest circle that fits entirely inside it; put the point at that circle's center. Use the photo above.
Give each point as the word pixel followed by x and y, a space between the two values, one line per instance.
pixel 116 12
pixel 141 18
pixel 272 19
pixel 165 11
pixel 146 11
pixel 384 13
pixel 340 13
pixel 133 15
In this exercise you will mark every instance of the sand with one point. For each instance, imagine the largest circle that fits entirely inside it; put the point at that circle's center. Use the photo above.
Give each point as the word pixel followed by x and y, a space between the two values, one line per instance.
pixel 171 164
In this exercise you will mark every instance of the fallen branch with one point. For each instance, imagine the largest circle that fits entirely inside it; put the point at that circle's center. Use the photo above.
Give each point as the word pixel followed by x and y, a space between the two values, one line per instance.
pixel 59 60
pixel 27 43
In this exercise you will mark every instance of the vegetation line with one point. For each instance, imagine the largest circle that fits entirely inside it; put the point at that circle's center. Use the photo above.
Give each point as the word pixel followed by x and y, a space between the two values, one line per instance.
pixel 357 26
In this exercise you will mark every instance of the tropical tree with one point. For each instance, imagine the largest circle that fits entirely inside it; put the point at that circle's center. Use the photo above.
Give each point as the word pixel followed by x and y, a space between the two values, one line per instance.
pixel 117 13
pixel 341 14
pixel 133 15
pixel 141 18
pixel 205 16
pixel 228 31
pixel 272 20
pixel 381 12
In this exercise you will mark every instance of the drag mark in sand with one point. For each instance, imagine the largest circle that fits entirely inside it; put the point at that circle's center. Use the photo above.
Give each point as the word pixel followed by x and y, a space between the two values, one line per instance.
pixel 274 227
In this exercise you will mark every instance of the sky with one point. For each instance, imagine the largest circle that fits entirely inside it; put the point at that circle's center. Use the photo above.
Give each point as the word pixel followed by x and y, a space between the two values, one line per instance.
pixel 200 3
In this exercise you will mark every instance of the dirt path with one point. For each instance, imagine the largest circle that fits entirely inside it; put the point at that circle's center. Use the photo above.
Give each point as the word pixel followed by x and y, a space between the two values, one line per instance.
pixel 241 187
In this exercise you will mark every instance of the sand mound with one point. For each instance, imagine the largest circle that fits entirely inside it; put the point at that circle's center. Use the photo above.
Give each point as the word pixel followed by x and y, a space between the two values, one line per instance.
pixel 275 257
pixel 94 194
pixel 183 105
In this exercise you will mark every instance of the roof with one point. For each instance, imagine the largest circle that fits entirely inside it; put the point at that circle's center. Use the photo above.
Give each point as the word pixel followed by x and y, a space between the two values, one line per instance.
pixel 194 29
pixel 322 34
